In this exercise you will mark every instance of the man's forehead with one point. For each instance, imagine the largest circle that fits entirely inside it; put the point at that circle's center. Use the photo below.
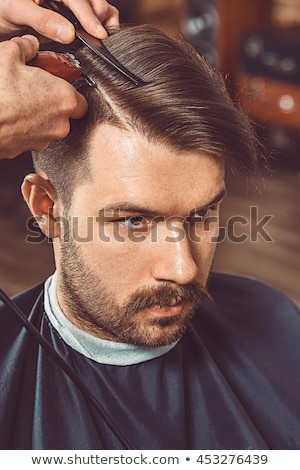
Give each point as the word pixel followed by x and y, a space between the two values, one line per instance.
pixel 118 151
pixel 129 171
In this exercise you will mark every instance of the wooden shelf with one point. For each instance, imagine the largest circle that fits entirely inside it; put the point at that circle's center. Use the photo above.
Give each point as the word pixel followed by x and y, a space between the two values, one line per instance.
pixel 237 16
pixel 264 99
pixel 270 101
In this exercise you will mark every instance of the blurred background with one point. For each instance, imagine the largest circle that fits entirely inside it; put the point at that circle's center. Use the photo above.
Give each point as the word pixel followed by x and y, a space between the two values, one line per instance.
pixel 255 46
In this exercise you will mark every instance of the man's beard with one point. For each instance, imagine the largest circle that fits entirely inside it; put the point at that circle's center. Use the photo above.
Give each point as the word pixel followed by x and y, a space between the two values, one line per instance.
pixel 93 308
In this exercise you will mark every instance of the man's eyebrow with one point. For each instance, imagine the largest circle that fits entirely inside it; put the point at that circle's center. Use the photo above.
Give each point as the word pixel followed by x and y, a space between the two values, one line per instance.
pixel 127 208
pixel 216 199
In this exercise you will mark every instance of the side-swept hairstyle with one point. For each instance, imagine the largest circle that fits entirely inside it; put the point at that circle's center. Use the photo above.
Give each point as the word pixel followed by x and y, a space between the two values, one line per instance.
pixel 183 105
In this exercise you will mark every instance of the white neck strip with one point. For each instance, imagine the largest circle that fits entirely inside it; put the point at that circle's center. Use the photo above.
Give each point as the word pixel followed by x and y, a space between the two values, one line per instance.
pixel 100 350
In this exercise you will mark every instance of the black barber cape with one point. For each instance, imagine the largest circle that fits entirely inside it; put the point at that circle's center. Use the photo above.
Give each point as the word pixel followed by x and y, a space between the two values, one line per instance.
pixel 231 382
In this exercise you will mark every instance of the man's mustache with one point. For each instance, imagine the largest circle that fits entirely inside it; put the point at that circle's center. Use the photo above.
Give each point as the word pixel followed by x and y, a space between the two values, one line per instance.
pixel 165 295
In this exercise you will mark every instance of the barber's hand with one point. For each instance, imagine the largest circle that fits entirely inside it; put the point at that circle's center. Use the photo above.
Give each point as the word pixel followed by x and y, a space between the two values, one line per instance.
pixel 94 15
pixel 35 105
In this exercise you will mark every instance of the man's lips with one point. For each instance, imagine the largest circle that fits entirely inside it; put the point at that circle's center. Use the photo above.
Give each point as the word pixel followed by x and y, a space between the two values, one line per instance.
pixel 172 309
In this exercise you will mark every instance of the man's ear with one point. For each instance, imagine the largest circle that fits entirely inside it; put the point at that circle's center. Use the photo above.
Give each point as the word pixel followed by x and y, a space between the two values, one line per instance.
pixel 43 203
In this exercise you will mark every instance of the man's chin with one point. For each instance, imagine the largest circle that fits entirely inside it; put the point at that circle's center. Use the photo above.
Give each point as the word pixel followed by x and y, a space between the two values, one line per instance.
pixel 162 331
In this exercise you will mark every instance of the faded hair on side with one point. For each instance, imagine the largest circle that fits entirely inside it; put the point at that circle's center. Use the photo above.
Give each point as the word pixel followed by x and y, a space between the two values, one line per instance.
pixel 183 105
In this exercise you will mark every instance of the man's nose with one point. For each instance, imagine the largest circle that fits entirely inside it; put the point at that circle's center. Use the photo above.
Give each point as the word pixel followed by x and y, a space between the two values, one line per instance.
pixel 172 256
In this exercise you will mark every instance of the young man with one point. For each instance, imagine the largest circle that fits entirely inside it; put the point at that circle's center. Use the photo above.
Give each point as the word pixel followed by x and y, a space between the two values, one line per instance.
pixel 178 357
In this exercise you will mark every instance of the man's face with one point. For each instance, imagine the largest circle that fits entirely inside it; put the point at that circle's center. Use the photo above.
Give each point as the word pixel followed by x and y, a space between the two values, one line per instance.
pixel 142 239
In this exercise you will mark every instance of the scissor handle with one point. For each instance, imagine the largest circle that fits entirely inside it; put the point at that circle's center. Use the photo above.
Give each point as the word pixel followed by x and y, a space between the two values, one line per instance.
pixel 57 64
pixel 64 11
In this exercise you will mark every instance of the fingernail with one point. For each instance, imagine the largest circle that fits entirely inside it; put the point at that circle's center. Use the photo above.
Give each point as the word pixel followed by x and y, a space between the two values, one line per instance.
pixel 101 30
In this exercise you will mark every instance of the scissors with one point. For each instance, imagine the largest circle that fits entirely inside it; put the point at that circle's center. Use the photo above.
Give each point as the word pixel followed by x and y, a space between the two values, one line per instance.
pixel 63 65
pixel 90 41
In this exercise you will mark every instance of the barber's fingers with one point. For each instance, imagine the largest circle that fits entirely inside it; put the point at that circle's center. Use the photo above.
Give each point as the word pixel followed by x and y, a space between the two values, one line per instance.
pixel 44 21
pixel 28 47
pixel 73 103
pixel 59 95
pixel 94 15
pixel 80 108
pixel 112 20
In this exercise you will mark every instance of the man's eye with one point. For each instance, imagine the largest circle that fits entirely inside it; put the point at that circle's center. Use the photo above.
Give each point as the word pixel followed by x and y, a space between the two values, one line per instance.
pixel 137 221
pixel 201 214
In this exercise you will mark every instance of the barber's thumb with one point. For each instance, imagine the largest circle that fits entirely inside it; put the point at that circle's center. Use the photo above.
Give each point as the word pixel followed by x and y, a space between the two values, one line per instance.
pixel 29 46
pixel 81 108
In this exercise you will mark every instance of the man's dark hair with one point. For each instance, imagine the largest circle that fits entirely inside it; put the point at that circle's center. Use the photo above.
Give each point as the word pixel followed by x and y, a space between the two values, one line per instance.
pixel 183 105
